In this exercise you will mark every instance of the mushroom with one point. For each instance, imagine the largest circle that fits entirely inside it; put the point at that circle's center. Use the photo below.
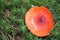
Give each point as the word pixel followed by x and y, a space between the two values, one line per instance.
pixel 39 21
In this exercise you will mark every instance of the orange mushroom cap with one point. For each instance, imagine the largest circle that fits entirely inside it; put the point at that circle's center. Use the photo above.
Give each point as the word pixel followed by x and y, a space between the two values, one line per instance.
pixel 39 21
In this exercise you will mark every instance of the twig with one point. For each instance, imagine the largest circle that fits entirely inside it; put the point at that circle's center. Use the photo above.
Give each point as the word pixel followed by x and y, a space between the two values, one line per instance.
pixel 57 23
pixel 9 36
pixel 13 38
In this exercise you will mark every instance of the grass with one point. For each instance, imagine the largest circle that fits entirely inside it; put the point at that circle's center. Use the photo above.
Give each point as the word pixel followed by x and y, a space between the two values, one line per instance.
pixel 12 13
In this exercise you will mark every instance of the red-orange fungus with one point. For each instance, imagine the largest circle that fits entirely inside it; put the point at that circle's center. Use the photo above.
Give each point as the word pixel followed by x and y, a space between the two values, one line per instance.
pixel 39 21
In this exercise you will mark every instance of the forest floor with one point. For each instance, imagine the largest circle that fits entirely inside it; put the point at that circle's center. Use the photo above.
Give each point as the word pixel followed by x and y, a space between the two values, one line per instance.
pixel 12 13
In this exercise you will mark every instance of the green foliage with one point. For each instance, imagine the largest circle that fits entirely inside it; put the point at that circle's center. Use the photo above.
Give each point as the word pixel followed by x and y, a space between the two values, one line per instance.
pixel 12 13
